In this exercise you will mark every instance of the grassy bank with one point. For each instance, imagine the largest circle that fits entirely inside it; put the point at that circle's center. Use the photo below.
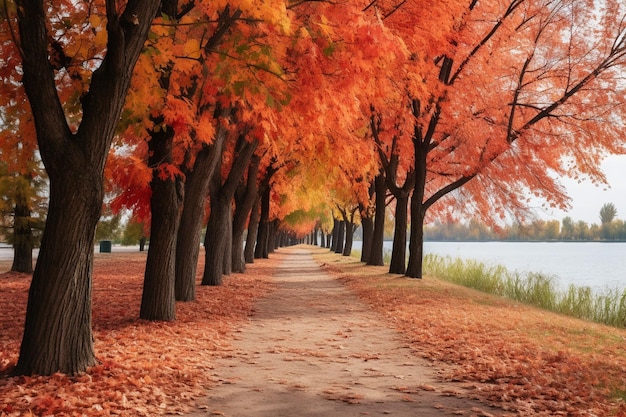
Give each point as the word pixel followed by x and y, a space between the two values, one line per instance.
pixel 531 288
pixel 536 289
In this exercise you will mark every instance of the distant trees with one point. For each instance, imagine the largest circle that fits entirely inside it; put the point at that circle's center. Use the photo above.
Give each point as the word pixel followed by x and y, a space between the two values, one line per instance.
pixel 608 212
pixel 566 230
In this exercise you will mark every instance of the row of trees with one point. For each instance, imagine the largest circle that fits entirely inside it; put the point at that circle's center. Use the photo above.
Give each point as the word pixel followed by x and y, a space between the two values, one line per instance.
pixel 261 118
pixel 610 228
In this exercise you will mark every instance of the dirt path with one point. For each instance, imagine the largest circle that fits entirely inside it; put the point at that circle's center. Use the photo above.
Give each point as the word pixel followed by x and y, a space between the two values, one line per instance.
pixel 313 349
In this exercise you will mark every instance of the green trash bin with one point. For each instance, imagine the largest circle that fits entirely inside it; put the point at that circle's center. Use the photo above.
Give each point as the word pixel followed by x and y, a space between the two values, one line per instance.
pixel 105 246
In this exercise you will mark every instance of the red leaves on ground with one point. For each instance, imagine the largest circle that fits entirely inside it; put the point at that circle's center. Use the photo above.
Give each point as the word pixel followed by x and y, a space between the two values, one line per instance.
pixel 145 368
pixel 522 359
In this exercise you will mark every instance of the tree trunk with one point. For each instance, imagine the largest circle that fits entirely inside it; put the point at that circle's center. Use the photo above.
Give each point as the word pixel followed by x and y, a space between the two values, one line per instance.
pixel 219 234
pixel 272 236
pixel 418 209
pixel 416 244
pixel 341 230
pixel 215 240
pixel 347 250
pixel 244 202
pixel 189 233
pixel 22 235
pixel 367 225
pixel 57 331
pixel 334 234
pixel 253 229
pixel 376 254
pixel 262 245
pixel 398 254
pixel 158 301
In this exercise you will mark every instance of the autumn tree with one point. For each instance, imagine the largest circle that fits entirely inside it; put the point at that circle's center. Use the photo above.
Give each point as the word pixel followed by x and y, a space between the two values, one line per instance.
pixel 76 81
pixel 505 103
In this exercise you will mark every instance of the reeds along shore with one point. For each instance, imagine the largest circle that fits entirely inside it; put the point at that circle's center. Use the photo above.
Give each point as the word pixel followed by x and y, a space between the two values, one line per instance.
pixel 539 290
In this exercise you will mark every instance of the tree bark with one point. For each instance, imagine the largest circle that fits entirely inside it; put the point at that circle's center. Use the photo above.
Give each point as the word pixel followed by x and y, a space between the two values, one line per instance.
pixel 398 254
pixel 348 219
pixel 253 229
pixel 376 254
pixel 57 331
pixel 244 203
pixel 158 301
pixel 215 240
pixel 334 233
pixel 416 243
pixel 367 225
pixel 341 232
pixel 219 234
pixel 262 244
pixel 189 233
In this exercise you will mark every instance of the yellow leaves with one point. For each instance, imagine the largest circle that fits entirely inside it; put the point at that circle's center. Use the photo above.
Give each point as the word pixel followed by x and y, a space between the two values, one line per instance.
pixel 191 49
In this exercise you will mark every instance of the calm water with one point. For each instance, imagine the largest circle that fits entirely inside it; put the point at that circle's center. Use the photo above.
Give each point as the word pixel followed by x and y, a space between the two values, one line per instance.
pixel 599 265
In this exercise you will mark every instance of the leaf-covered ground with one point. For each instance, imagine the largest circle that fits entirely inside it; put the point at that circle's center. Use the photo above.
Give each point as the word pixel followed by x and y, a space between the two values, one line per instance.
pixel 145 368
pixel 523 359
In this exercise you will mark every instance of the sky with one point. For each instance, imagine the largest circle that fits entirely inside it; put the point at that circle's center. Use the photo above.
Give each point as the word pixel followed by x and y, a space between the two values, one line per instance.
pixel 587 198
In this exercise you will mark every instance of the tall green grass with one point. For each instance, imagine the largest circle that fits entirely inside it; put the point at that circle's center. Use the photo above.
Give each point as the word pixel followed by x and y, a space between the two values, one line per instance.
pixel 535 289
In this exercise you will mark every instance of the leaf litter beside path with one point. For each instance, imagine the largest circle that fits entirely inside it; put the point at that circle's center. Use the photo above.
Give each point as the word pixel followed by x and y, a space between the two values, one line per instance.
pixel 145 368
pixel 522 359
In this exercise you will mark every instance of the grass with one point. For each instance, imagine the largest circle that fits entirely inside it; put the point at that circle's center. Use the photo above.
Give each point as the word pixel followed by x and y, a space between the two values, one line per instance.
pixel 532 288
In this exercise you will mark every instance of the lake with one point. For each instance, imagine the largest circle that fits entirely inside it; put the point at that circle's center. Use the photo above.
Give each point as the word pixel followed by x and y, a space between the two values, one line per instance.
pixel 599 265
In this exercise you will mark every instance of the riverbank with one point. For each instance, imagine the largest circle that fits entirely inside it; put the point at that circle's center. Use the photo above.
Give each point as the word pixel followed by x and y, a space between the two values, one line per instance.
pixel 507 352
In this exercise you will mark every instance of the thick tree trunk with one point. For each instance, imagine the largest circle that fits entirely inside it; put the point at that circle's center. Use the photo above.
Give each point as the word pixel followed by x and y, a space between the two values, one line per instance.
pixel 189 233
pixel 398 254
pixel 253 229
pixel 22 236
pixel 376 253
pixel 158 301
pixel 244 202
pixel 57 331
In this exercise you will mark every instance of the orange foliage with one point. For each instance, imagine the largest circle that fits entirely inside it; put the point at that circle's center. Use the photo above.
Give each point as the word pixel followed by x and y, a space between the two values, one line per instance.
pixel 144 368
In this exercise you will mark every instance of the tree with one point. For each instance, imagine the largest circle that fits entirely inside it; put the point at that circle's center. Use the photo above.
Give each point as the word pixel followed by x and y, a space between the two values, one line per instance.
pixel 219 233
pixel 57 332
pixel 608 212
pixel 507 103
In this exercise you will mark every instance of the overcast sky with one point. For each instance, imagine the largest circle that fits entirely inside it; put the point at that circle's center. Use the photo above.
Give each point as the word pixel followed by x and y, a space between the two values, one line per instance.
pixel 587 199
